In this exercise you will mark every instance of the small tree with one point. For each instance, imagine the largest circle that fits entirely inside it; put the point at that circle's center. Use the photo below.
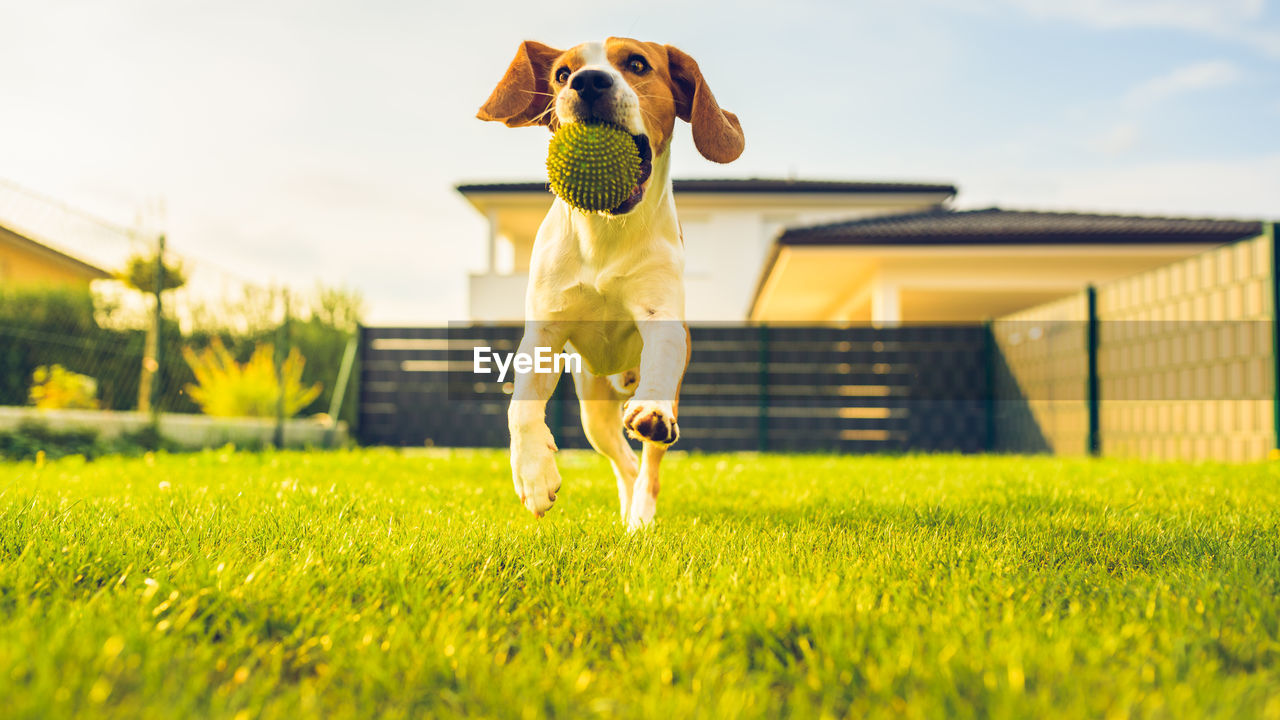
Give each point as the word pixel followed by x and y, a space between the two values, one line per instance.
pixel 140 274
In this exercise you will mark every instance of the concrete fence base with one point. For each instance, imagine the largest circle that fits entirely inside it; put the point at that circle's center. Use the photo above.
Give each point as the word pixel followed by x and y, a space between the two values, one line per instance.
pixel 189 431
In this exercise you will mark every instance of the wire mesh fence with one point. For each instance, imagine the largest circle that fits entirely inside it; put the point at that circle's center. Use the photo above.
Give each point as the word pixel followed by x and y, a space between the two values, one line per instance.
pixel 89 320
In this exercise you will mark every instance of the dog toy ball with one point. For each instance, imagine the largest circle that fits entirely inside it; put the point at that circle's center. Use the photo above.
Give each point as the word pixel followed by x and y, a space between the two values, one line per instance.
pixel 593 166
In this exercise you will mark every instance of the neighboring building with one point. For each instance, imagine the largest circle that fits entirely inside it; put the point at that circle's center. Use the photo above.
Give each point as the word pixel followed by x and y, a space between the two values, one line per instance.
pixel 955 266
pixel 24 261
pixel 885 253
pixel 729 226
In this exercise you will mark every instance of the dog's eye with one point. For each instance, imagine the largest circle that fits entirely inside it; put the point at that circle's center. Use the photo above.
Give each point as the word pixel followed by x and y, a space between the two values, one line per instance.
pixel 637 65
pixel 562 75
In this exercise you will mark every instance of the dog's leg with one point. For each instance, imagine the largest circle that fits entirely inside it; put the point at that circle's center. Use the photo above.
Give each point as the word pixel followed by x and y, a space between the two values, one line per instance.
pixel 651 414
pixel 601 406
pixel 533 464
pixel 644 499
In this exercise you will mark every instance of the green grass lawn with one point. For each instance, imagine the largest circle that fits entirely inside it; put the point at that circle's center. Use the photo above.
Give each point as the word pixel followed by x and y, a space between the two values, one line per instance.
pixel 386 585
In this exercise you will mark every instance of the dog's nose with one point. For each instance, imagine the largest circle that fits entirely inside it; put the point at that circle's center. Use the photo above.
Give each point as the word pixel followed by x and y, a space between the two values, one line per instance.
pixel 591 84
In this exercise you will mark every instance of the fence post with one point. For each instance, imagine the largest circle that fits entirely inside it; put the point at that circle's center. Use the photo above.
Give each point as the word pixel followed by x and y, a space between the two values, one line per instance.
pixel 340 387
pixel 555 412
pixel 157 356
pixel 1269 231
pixel 762 417
pixel 1094 440
pixel 282 352
pixel 989 393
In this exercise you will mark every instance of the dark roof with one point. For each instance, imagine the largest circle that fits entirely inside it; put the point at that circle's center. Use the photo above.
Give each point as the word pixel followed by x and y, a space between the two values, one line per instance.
pixel 749 185
pixel 1019 227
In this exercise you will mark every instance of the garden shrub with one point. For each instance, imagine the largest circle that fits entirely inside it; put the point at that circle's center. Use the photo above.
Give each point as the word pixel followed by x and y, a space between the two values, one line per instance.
pixel 227 388
pixel 54 387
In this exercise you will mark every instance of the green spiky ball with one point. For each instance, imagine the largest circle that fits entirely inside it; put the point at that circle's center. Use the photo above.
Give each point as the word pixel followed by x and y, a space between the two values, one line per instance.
pixel 593 166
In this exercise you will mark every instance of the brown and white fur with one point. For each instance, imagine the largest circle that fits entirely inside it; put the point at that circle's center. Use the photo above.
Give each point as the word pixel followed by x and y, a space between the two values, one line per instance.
pixel 609 284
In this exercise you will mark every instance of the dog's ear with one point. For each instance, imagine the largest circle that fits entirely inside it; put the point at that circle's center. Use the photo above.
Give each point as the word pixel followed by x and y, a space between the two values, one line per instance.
pixel 523 96
pixel 716 133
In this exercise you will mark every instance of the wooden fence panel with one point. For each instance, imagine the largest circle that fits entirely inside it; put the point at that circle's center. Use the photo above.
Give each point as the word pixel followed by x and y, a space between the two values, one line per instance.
pixel 784 388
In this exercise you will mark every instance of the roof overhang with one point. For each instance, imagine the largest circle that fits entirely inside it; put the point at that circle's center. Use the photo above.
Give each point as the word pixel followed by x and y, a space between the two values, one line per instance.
pixel 75 265
pixel 812 283
pixel 812 270
pixel 757 192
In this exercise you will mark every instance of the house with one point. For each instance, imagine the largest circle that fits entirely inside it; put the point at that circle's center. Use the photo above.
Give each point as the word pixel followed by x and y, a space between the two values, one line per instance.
pixel 24 261
pixel 729 226
pixel 943 265
pixel 857 252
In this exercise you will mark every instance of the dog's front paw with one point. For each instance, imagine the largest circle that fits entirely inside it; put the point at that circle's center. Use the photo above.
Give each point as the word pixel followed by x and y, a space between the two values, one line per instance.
pixel 651 420
pixel 533 469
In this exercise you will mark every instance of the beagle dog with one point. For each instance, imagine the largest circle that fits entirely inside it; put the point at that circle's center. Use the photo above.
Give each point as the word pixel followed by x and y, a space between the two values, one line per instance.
pixel 609 285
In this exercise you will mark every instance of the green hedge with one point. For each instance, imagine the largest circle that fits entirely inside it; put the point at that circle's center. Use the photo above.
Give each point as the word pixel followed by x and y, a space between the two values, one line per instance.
pixel 28 440
pixel 57 326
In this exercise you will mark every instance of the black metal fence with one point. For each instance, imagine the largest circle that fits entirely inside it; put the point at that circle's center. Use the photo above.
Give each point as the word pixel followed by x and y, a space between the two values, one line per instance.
pixel 783 388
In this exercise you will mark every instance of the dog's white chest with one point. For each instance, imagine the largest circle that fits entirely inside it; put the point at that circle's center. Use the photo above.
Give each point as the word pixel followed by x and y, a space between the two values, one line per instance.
pixel 579 293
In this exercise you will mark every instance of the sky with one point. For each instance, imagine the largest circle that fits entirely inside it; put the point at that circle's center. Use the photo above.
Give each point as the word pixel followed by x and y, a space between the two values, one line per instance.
pixel 304 141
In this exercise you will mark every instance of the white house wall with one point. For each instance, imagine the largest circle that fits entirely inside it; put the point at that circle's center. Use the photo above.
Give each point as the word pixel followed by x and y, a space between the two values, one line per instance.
pixel 727 238
pixel 725 250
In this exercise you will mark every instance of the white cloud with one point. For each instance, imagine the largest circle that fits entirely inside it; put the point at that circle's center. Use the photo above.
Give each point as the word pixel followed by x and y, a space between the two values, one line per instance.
pixel 1126 134
pixel 1119 139
pixel 1192 14
pixel 1245 187
pixel 1200 76
pixel 1232 20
